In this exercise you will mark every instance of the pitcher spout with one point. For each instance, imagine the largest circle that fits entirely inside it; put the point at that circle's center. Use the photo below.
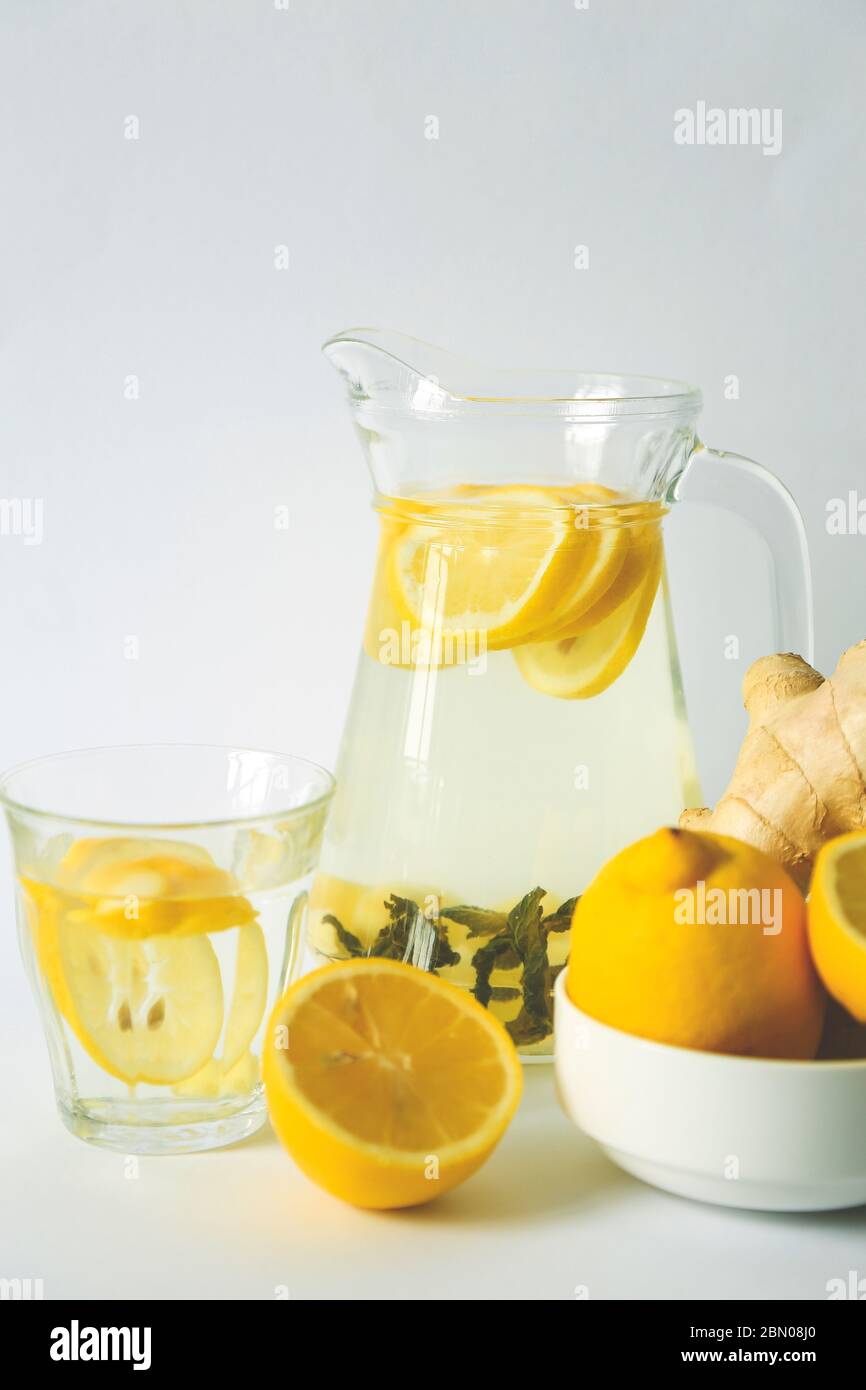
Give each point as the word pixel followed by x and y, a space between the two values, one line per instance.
pixel 393 370
pixel 428 419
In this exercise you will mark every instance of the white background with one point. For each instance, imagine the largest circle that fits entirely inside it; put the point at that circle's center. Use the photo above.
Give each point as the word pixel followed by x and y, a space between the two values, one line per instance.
pixel 261 127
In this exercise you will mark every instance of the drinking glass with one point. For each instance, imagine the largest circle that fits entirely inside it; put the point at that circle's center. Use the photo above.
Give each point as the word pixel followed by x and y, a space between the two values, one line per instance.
pixel 161 892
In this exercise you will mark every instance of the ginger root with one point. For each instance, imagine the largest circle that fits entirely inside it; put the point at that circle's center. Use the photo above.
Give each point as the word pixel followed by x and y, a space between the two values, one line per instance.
pixel 801 775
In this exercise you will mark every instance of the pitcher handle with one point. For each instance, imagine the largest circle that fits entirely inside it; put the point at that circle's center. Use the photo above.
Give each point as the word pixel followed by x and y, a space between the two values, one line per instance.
pixel 752 492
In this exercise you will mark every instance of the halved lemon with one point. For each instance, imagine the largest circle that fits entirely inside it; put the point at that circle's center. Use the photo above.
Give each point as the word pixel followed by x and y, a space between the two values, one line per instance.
pixel 837 920
pixel 387 1085
pixel 494 567
pixel 576 668
pixel 147 1011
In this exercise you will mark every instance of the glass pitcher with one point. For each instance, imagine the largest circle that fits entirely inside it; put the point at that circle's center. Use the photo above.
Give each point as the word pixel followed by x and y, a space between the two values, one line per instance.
pixel 518 712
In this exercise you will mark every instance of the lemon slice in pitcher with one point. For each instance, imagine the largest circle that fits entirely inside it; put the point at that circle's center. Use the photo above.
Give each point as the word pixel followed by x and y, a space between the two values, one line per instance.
pixel 146 1011
pixel 493 566
pixel 598 556
pixel 576 668
pixel 641 557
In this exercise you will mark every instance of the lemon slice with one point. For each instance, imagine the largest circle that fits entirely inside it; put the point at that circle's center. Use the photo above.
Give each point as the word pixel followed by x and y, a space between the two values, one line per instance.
pixel 139 888
pixel 598 554
pixel 600 547
pixel 121 944
pixel 360 910
pixel 249 996
pixel 43 907
pixel 837 920
pixel 387 1085
pixel 123 864
pixel 384 638
pixel 642 555
pixel 146 1011
pixel 243 1076
pixel 215 1079
pixel 576 668
pixel 491 568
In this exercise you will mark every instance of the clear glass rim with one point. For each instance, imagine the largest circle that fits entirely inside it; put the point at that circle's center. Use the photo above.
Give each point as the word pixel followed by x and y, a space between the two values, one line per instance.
pixel 427 381
pixel 12 804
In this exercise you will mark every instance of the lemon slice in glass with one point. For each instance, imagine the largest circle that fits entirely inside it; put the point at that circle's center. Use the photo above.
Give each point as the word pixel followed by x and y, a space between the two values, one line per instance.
pixel 140 888
pixel 146 1011
pixel 249 995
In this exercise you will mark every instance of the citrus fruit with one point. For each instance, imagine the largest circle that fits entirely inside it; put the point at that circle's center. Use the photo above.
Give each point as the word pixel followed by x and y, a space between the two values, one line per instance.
pixel 387 1085
pixel 215 1079
pixel 147 1011
pixel 837 920
pixel 249 995
pixel 642 557
pixel 582 665
pixel 142 888
pixel 360 910
pixel 494 568
pixel 126 864
pixel 384 638
pixel 597 556
pixel 698 940
pixel 43 906
pixel 132 971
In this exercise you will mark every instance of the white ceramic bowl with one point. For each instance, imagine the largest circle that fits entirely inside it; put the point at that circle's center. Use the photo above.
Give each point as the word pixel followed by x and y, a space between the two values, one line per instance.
pixel 741 1131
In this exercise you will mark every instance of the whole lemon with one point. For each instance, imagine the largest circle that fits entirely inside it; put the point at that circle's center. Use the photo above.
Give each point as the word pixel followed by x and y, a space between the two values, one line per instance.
pixel 698 940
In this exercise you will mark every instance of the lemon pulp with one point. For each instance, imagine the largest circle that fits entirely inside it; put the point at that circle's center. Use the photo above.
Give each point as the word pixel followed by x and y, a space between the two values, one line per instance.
pixel 124 940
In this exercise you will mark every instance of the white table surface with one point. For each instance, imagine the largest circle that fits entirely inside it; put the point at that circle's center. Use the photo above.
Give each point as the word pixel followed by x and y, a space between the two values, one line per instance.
pixel 547 1215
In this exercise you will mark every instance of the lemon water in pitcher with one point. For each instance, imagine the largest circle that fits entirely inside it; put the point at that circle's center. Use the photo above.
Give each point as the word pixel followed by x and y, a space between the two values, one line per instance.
pixel 518 712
